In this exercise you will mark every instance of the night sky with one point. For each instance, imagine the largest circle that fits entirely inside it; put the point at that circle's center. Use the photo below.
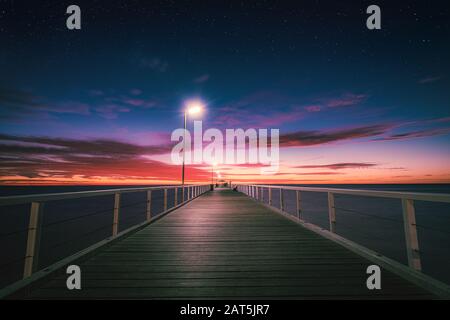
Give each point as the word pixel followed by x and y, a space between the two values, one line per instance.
pixel 97 105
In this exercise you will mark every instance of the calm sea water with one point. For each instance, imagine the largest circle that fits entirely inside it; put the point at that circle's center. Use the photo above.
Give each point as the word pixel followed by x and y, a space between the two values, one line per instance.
pixel 71 225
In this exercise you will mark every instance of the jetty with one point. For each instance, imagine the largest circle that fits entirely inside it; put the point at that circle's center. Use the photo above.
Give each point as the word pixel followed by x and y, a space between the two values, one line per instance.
pixel 224 243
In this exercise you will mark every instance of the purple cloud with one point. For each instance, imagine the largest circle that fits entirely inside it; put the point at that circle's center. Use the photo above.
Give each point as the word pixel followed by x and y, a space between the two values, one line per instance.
pixel 111 111
pixel 416 134
pixel 310 138
pixel 135 92
pixel 429 79
pixel 155 64
pixel 201 79
pixel 313 108
pixel 339 166
pixel 346 100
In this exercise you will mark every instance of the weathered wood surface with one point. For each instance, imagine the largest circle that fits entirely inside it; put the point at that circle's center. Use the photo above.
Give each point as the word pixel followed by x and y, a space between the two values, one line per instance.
pixel 225 245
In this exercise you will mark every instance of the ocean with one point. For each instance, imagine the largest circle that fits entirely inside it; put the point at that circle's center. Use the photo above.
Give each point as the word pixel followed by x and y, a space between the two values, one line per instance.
pixel 376 223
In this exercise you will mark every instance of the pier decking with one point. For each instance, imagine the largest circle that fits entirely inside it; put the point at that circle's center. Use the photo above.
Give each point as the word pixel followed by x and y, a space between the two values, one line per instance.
pixel 223 244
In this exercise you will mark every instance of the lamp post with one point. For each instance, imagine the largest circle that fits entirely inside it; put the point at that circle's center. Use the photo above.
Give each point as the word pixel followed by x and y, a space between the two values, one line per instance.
pixel 214 164
pixel 192 107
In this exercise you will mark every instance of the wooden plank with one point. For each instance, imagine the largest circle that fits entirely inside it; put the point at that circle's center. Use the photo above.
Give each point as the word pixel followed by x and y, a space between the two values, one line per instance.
pixel 226 245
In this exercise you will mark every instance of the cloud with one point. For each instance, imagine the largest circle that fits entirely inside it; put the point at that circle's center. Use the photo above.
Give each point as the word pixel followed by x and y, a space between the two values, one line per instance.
pixel 345 100
pixel 339 166
pixel 313 108
pixel 96 93
pixel 111 111
pixel 72 107
pixel 143 103
pixel 324 173
pixel 135 92
pixel 18 104
pixel 429 79
pixel 246 112
pixel 125 102
pixel 59 146
pixel 278 109
pixel 416 134
pixel 310 138
pixel 201 79
pixel 155 64
pixel 56 158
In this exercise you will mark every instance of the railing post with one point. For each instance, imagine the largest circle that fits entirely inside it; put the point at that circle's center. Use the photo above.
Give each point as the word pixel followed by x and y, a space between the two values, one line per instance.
pixel 270 196
pixel 165 200
pixel 182 194
pixel 262 194
pixel 116 214
pixel 33 239
pixel 149 205
pixel 412 242
pixel 299 205
pixel 175 201
pixel 281 200
pixel 331 212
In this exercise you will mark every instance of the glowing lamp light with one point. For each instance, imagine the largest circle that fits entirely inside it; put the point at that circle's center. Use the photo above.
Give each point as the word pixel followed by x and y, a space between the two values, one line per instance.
pixel 194 107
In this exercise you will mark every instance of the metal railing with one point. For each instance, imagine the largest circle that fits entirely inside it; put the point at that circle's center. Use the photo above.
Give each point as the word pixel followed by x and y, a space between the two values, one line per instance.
pixel 407 201
pixel 36 212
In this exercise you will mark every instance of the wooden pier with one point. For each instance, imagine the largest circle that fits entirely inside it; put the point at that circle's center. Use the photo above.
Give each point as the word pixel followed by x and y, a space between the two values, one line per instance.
pixel 222 245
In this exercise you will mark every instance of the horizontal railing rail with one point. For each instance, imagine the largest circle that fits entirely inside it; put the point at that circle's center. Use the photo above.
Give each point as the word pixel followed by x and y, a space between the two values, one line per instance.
pixel 37 201
pixel 11 200
pixel 407 200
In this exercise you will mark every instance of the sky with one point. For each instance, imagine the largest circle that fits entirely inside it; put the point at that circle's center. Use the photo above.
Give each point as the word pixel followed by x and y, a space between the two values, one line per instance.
pixel 98 105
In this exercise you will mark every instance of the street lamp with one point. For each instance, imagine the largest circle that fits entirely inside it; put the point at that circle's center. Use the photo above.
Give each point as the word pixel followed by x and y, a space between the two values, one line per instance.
pixel 214 164
pixel 192 107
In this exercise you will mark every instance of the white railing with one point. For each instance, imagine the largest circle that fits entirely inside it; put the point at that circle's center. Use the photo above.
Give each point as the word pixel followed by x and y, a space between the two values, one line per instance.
pixel 188 192
pixel 407 200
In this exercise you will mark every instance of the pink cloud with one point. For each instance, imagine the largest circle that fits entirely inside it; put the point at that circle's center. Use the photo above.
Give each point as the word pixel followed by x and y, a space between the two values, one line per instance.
pixel 155 64
pixel 138 102
pixel 346 100
pixel 247 111
pixel 71 107
pixel 313 108
pixel 202 78
pixel 311 138
pixel 338 166
pixel 135 92
pixel 429 80
pixel 111 111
